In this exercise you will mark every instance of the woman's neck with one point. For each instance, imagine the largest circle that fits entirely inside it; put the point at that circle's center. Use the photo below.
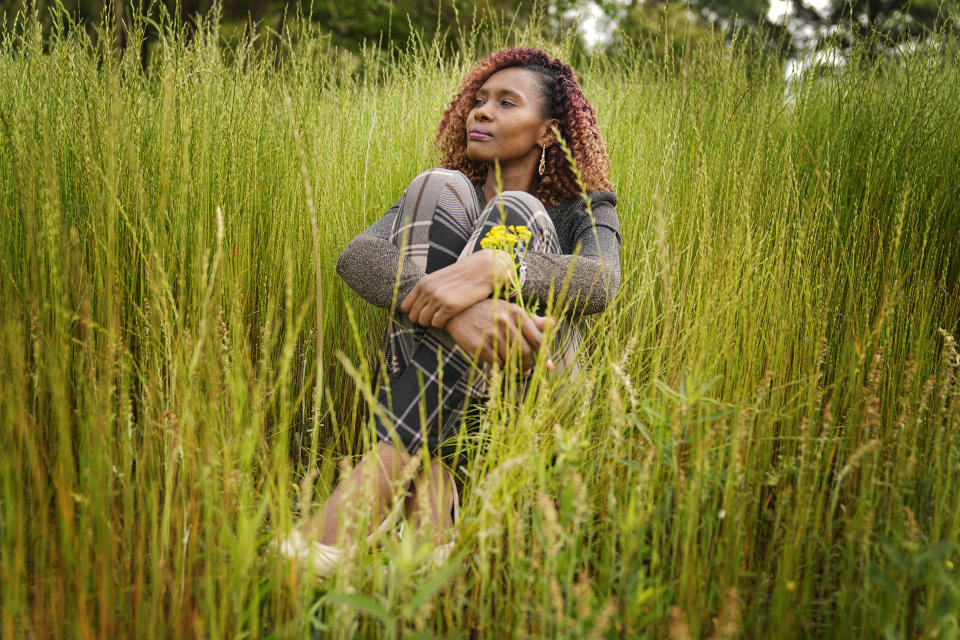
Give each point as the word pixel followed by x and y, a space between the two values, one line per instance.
pixel 513 178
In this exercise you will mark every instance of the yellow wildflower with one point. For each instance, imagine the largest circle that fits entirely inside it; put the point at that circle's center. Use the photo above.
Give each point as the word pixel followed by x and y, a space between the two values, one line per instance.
pixel 512 240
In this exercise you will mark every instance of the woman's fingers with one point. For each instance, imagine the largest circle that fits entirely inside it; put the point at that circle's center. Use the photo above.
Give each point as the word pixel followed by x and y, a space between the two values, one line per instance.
pixel 443 313
pixel 495 330
pixel 442 316
pixel 533 340
pixel 422 303
pixel 502 339
pixel 412 304
pixel 531 332
pixel 410 298
pixel 510 335
pixel 533 328
pixel 414 313
pixel 516 329
pixel 543 323
pixel 422 296
pixel 427 313
pixel 527 352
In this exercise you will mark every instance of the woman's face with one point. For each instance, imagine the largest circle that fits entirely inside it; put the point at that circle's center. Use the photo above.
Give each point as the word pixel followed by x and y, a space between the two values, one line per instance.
pixel 506 122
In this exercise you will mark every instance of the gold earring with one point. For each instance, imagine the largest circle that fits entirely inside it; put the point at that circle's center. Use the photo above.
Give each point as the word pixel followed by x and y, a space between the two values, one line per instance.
pixel 543 160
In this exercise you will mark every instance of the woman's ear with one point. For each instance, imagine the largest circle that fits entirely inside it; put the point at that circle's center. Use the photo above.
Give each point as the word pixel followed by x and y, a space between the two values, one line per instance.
pixel 546 137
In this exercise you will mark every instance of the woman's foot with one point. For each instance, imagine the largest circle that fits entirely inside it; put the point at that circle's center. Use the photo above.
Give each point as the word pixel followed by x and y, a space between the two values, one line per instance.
pixel 434 506
pixel 443 550
pixel 315 542
pixel 376 476
pixel 323 559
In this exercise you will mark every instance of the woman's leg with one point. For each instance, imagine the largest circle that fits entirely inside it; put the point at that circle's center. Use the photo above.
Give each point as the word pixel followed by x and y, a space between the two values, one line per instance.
pixel 377 472
pixel 429 378
pixel 430 500
pixel 432 494
pixel 432 379
pixel 516 208
pixel 437 213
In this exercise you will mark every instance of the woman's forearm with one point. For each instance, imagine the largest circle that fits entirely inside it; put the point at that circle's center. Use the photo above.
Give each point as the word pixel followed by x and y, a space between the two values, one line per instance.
pixel 590 281
pixel 446 292
pixel 369 264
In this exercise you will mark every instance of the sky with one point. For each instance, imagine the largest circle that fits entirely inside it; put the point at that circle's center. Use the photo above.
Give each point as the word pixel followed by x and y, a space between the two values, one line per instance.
pixel 779 7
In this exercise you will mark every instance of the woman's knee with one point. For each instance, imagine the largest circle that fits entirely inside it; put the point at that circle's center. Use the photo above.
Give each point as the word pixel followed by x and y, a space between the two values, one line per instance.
pixel 452 178
pixel 387 463
pixel 518 207
pixel 521 199
pixel 391 456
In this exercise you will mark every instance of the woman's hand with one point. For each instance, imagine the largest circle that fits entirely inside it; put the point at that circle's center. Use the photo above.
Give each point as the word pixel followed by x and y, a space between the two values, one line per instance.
pixel 489 329
pixel 443 294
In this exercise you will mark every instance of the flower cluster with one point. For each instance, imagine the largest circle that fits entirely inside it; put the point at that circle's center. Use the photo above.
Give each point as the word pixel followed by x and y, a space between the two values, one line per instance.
pixel 513 241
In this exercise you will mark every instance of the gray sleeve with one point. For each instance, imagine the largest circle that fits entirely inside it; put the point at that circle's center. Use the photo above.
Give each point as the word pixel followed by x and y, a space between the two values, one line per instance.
pixel 594 274
pixel 370 262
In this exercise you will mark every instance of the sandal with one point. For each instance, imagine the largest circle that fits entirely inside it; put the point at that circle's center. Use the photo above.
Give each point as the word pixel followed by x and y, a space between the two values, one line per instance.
pixel 325 558
pixel 441 553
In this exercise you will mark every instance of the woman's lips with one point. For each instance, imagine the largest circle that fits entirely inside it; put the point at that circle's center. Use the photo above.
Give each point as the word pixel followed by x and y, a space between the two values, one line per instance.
pixel 479 133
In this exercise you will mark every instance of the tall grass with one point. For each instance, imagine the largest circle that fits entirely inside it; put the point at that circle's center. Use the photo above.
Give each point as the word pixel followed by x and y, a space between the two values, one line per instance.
pixel 764 439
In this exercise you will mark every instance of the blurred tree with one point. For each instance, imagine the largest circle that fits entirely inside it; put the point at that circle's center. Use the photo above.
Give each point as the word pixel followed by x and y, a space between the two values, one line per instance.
pixel 845 22
pixel 667 23
pixel 666 28
pixel 895 21
pixel 661 29
pixel 352 23
pixel 744 12
pixel 349 23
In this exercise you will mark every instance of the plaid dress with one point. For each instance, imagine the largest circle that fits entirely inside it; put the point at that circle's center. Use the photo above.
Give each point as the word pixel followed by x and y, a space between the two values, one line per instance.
pixel 430 379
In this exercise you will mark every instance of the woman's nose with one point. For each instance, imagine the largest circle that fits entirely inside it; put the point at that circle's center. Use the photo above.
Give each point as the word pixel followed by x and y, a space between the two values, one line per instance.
pixel 480 114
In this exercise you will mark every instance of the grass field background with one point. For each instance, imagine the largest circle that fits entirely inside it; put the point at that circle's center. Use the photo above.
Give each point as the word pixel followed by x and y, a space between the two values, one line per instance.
pixel 764 442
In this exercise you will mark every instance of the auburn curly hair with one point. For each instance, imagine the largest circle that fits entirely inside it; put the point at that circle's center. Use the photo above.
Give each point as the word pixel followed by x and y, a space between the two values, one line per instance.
pixel 562 98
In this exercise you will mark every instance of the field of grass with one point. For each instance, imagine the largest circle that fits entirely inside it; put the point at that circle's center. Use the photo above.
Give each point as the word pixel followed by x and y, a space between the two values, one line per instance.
pixel 764 442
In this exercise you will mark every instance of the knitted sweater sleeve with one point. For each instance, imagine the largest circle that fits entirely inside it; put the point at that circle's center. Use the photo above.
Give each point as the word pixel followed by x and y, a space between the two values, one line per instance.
pixel 592 274
pixel 372 266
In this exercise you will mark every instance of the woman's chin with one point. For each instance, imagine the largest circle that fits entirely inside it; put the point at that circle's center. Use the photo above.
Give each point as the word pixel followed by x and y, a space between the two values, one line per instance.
pixel 478 156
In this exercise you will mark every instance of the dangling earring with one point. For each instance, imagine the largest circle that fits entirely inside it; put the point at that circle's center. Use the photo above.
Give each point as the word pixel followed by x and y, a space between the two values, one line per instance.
pixel 543 160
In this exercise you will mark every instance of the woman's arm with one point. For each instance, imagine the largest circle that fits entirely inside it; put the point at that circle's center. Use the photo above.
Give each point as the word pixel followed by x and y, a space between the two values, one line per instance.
pixel 592 277
pixel 369 264
pixel 485 329
pixel 594 274
pixel 491 330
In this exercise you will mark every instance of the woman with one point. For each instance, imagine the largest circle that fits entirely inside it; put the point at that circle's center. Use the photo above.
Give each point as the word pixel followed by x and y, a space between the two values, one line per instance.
pixel 426 254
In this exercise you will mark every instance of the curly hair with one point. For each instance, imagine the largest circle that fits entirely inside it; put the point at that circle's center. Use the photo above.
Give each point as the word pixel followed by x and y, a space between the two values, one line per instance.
pixel 562 98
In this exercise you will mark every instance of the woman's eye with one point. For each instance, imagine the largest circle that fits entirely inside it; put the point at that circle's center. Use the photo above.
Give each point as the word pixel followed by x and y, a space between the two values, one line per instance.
pixel 507 103
pixel 478 101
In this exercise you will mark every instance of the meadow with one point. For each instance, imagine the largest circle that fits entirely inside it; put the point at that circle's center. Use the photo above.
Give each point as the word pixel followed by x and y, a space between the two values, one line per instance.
pixel 764 440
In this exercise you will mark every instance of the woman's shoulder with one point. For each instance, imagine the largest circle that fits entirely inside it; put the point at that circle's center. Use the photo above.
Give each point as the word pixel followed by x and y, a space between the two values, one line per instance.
pixel 578 204
pixel 573 216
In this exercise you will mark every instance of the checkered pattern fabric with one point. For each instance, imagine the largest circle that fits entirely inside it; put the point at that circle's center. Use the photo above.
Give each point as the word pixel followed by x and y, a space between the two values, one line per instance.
pixel 430 379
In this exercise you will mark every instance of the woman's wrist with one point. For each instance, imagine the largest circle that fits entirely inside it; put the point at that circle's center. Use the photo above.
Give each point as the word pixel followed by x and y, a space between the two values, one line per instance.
pixel 501 265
